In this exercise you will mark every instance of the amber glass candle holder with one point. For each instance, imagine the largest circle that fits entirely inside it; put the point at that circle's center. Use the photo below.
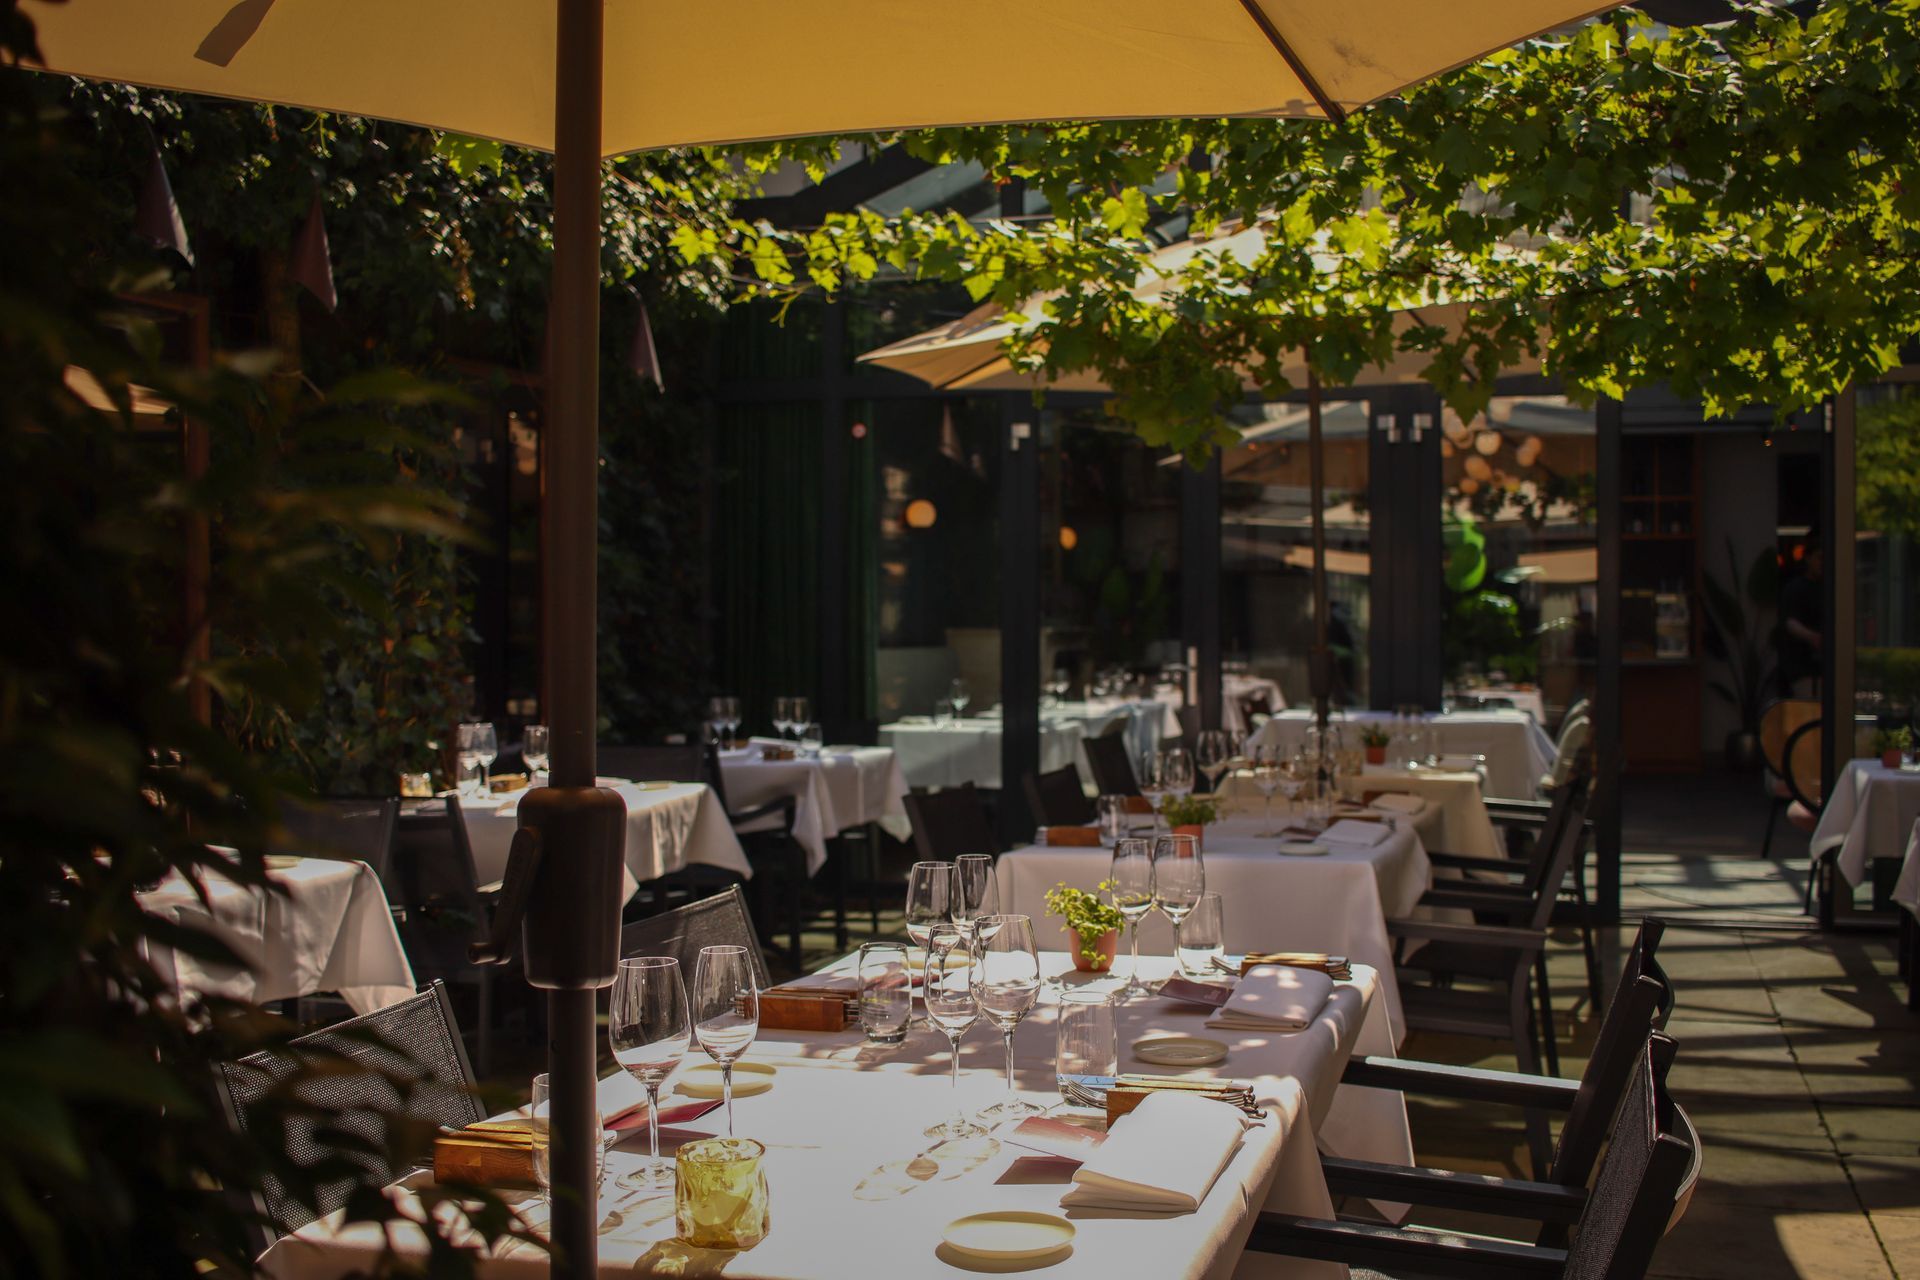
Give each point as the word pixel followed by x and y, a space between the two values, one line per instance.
pixel 720 1199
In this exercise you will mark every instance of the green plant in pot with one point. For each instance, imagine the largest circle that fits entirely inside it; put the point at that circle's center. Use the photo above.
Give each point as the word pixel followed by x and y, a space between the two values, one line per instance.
pixel 1190 811
pixel 1892 745
pixel 1374 740
pixel 1093 920
pixel 1737 641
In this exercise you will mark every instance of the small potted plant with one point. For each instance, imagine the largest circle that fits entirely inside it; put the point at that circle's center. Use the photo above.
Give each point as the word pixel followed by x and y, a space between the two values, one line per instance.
pixel 1189 815
pixel 1092 919
pixel 1892 744
pixel 1375 740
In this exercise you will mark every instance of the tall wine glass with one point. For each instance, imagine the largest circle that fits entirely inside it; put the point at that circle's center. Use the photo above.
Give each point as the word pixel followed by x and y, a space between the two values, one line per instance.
pixel 1268 765
pixel 1213 752
pixel 726 1011
pixel 733 720
pixel 486 745
pixel 534 749
pixel 782 715
pixel 801 712
pixel 1176 771
pixel 1130 881
pixel 976 894
pixel 1153 784
pixel 648 1031
pixel 1009 984
pixel 952 993
pixel 467 749
pixel 1179 878
pixel 958 696
pixel 717 720
pixel 931 890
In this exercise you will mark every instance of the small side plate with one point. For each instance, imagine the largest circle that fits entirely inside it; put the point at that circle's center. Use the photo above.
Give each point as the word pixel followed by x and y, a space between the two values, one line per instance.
pixel 1008 1235
pixel 1301 848
pixel 1179 1051
pixel 704 1081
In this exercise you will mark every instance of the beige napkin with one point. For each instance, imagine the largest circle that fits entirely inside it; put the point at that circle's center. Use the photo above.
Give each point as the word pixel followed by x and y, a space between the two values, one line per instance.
pixel 1356 831
pixel 1275 997
pixel 1395 802
pixel 1162 1157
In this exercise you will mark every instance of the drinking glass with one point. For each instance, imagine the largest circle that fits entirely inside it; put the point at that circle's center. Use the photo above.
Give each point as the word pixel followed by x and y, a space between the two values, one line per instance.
pixel 976 894
pixel 782 715
pixel 467 751
pixel 1213 752
pixel 958 696
pixel 931 890
pixel 886 992
pixel 726 1011
pixel 534 749
pixel 717 720
pixel 810 739
pixel 1152 782
pixel 1084 1041
pixel 1268 765
pixel 733 720
pixel 1176 771
pixel 1179 878
pixel 648 1032
pixel 1009 984
pixel 486 745
pixel 1113 818
pixel 800 713
pixel 539 1117
pixel 1296 774
pixel 1131 881
pixel 952 993
pixel 1202 937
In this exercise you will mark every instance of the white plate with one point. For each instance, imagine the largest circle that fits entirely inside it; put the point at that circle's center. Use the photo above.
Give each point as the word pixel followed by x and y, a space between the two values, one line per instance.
pixel 1179 1051
pixel 1301 848
pixel 1008 1234
pixel 704 1080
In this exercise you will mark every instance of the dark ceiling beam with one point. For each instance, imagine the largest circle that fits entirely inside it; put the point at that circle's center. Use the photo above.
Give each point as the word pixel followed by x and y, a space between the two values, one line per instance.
pixel 845 189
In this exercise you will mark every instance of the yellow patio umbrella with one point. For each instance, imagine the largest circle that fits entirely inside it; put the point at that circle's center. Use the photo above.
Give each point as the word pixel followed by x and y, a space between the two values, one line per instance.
pixel 594 78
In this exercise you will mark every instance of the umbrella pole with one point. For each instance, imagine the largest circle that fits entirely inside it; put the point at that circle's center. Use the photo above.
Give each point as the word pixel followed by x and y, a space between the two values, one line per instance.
pixel 1321 666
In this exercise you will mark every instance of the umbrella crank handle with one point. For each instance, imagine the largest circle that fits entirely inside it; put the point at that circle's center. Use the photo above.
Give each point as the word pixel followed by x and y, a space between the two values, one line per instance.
pixel 523 865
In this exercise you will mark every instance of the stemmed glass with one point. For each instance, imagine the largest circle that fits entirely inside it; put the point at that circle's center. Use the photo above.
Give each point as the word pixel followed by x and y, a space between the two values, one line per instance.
pixel 782 715
pixel 801 713
pixel 1295 774
pixel 958 695
pixel 1213 752
pixel 717 720
pixel 932 888
pixel 486 746
pixel 952 993
pixel 1176 771
pixel 1131 881
pixel 1179 878
pixel 733 720
pixel 1009 984
pixel 533 749
pixel 648 1032
pixel 1153 784
pixel 467 750
pixel 1268 766
pixel 976 895
pixel 726 1011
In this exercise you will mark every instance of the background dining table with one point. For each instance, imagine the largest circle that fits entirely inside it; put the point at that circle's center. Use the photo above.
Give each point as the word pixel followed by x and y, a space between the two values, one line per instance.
pixel 331 930
pixel 856 1191
pixel 1518 751
pixel 948 753
pixel 841 789
pixel 1869 815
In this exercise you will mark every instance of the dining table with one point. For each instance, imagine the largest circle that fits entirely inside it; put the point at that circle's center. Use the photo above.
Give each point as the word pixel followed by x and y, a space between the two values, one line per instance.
pixel 857 1192
pixel 947 753
pixel 1868 815
pixel 329 930
pixel 1518 751
pixel 840 789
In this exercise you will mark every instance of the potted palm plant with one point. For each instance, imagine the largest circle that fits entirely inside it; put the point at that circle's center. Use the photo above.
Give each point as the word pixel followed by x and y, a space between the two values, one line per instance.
pixel 1092 919
pixel 1737 641
pixel 1892 745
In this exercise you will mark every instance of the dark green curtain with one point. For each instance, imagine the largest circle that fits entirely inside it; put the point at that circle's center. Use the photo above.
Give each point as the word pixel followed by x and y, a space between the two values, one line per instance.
pixel 863 586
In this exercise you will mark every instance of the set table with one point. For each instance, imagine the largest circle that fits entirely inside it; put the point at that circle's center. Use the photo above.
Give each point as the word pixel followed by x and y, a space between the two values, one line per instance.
pixel 1869 815
pixel 1455 819
pixel 949 753
pixel 845 788
pixel 331 930
pixel 1517 749
pixel 857 1192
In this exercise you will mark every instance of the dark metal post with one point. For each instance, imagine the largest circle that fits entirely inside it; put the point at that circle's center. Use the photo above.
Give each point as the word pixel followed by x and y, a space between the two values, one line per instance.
pixel 1019 611
pixel 1200 584
pixel 1322 666
pixel 1606 685
pixel 1842 614
pixel 833 701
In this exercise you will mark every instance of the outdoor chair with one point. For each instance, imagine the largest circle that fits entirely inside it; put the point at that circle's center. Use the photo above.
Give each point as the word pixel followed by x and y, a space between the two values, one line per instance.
pixel 722 920
pixel 1640 1006
pixel 1778 720
pixel 1255 709
pixel 949 823
pixel 1057 799
pixel 406 1059
pixel 1800 772
pixel 444 909
pixel 766 836
pixel 356 828
pixel 1112 768
pixel 1644 1183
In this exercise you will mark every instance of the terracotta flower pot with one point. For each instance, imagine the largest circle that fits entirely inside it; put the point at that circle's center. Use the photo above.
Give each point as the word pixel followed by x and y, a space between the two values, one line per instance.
pixel 1106 949
pixel 1197 831
pixel 1890 758
pixel 1376 755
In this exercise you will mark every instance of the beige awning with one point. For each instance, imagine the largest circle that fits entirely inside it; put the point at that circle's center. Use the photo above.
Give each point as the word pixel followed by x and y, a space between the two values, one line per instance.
pixel 732 70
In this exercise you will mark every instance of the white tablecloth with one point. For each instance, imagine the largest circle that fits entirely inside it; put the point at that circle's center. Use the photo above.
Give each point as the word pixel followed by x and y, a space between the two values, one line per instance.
pixel 1148 721
pixel 846 787
pixel 331 931
pixel 1338 902
pixel 946 755
pixel 1527 700
pixel 668 826
pixel 844 1118
pixel 1869 815
pixel 1518 750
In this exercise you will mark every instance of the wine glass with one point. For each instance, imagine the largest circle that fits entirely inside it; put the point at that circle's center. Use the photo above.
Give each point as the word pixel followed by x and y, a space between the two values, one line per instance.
pixel 648 1032
pixel 1009 984
pixel 1294 775
pixel 976 894
pixel 733 720
pixel 1213 752
pixel 717 720
pixel 1267 770
pixel 533 749
pixel 782 715
pixel 952 994
pixel 467 748
pixel 1130 882
pixel 726 1011
pixel 1176 771
pixel 931 890
pixel 1153 785
pixel 486 746
pixel 1179 878
pixel 801 715
pixel 958 695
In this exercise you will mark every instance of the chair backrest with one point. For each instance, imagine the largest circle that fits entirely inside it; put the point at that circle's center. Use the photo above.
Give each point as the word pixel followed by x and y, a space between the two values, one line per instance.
pixel 1652 1155
pixel 711 774
pixel 674 762
pixel 349 828
pixel 435 883
pixel 1112 766
pixel 949 823
pixel 1778 720
pixel 719 921
pixel 1057 800
pixel 1581 706
pixel 1800 763
pixel 405 1060
pixel 1553 873
pixel 1570 753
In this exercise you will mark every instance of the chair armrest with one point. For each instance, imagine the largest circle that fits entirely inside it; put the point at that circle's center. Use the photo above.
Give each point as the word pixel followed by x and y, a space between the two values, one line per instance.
pixel 1469 1084
pixel 1473 862
pixel 785 806
pixel 1394 1249
pixel 1445 1189
pixel 1505 904
pixel 1493 935
pixel 1517 810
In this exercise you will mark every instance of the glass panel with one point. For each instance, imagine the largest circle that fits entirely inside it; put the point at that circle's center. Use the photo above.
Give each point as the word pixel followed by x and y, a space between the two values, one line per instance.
pixel 1522 560
pixel 1266 558
pixel 1887 556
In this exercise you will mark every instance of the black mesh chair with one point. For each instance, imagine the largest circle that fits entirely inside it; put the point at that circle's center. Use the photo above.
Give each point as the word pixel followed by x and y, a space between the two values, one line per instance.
pixel 719 921
pixel 1645 1180
pixel 1112 768
pixel 443 909
pixel 949 823
pixel 405 1061
pixel 1057 799
pixel 361 829
pixel 778 859
pixel 672 762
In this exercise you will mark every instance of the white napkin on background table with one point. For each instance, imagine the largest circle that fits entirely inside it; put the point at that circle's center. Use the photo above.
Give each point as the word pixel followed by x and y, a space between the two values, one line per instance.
pixel 1161 1157
pixel 1396 802
pixel 1274 997
pixel 1354 831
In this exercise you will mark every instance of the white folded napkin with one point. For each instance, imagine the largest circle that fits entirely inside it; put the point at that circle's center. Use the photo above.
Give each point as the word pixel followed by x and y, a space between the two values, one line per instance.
pixel 1274 997
pixel 1352 831
pixel 1395 802
pixel 1161 1157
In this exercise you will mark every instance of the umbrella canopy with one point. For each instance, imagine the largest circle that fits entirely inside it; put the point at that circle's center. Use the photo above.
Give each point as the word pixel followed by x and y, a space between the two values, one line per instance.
pixel 734 70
